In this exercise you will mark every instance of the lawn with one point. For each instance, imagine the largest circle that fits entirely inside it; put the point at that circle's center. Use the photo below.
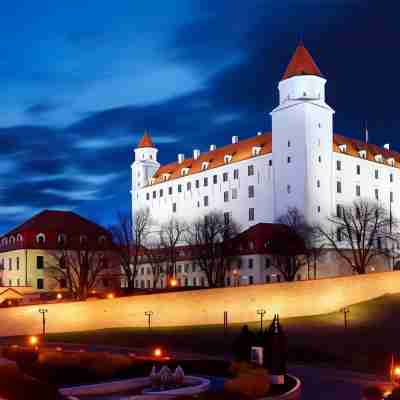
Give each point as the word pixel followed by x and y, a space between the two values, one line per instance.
pixel 366 345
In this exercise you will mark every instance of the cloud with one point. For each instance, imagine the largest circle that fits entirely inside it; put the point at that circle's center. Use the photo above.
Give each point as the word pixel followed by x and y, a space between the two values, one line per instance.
pixel 75 195
pixel 39 109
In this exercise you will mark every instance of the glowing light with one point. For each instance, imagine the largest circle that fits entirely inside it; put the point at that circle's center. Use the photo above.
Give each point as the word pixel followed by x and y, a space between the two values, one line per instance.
pixel 173 282
pixel 82 350
pixel 93 291
pixel 235 272
pixel 33 340
pixel 157 352
pixel 59 349
pixel 396 371
pixel 59 296
pixel 110 296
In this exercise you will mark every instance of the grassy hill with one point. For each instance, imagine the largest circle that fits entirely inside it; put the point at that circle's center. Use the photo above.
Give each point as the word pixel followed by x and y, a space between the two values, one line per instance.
pixel 373 334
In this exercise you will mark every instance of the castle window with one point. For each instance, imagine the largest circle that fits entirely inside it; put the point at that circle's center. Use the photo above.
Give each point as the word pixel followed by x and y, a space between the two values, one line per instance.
pixel 256 150
pixel 390 161
pixel 250 170
pixel 338 187
pixel 338 210
pixel 197 183
pixel 205 182
pixel 215 179
pixel 226 196
pixel 358 190
pixel 39 262
pixel 61 239
pixel 363 154
pixel 83 239
pixel 376 174
pixel 147 196
pixel 379 158
pixel 205 201
pixel 161 192
pixel 235 174
pixel 288 143
pixel 19 238
pixel 179 188
pixel 391 197
pixel 289 160
pixel 319 159
pixel 227 158
pixel 154 194
pixel 338 165
pixel 189 186
pixel 225 177
pixel 250 262
pixel 234 194
pixel 318 183
pixel 358 170
pixel 270 163
pixel 251 214
pixel 174 207
pixel 288 188
pixel 226 218
pixel 184 171
pixel 391 178
pixel 319 209
pixel 376 194
pixel 343 148
pixel 170 190
pixel 251 191
pixel 204 166
pixel 339 235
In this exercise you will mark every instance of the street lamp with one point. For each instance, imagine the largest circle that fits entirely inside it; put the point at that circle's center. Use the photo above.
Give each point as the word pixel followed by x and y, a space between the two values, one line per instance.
pixel 148 314
pixel 345 311
pixel 261 312
pixel 173 282
pixel 43 311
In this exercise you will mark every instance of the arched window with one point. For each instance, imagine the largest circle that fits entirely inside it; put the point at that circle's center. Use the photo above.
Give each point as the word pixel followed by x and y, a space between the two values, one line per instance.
pixel 83 239
pixel 41 238
pixel 12 240
pixel 19 238
pixel 61 239
pixel 102 240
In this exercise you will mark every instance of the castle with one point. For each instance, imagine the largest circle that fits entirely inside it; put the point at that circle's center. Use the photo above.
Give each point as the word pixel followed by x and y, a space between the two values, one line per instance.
pixel 301 164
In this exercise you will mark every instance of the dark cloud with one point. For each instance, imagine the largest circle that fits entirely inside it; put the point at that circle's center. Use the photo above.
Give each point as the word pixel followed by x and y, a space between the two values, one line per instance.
pixel 41 108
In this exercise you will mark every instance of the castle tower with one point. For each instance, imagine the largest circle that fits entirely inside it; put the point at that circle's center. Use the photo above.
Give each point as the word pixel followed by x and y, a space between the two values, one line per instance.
pixel 144 166
pixel 302 136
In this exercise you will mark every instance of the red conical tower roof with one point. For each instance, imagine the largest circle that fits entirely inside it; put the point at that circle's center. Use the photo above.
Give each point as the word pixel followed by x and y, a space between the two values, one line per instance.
pixel 145 141
pixel 301 64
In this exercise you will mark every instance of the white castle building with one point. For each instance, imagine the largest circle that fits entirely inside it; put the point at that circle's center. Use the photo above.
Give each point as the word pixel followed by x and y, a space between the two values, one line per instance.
pixel 301 164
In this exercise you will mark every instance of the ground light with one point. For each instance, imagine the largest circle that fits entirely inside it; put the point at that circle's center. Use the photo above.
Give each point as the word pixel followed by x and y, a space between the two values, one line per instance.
pixel 33 340
pixel 173 282
pixel 157 352
pixel 110 296
pixel 59 296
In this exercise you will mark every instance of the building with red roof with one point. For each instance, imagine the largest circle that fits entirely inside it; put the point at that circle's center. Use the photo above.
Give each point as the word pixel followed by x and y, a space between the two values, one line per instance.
pixel 30 249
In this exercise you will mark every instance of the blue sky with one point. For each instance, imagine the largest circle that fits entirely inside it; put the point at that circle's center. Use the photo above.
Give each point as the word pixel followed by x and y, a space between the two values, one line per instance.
pixel 81 80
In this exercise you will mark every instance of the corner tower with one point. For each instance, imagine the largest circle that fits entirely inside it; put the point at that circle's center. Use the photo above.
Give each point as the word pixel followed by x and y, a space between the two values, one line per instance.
pixel 302 140
pixel 144 166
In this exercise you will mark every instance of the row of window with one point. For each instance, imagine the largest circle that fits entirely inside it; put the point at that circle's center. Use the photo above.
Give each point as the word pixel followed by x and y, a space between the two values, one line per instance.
pixel 358 171
pixel 41 239
pixel 39 263
pixel 225 178
pixel 358 191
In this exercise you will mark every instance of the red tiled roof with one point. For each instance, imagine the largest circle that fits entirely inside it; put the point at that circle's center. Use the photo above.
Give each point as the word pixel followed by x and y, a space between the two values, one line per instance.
pixel 243 151
pixel 239 151
pixel 145 141
pixel 301 64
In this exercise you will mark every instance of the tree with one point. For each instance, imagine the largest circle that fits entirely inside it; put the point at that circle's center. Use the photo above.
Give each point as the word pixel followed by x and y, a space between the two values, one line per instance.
pixel 210 243
pixel 170 236
pixel 80 266
pixel 129 237
pixel 361 232
pixel 156 257
pixel 292 244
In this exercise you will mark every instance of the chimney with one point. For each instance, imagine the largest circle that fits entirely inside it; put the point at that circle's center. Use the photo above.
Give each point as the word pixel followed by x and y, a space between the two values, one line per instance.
pixel 235 139
pixel 212 147
pixel 259 133
pixel 386 146
pixel 181 157
pixel 196 154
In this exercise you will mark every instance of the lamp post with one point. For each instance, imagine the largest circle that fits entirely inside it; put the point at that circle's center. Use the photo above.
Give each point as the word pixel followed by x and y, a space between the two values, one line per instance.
pixel 148 314
pixel 345 311
pixel 43 311
pixel 261 312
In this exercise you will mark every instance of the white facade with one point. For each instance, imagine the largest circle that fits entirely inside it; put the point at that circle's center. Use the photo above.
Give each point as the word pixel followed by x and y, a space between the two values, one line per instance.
pixel 307 167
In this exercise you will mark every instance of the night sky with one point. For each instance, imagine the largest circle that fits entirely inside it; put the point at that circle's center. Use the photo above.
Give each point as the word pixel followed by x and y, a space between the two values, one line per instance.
pixel 81 80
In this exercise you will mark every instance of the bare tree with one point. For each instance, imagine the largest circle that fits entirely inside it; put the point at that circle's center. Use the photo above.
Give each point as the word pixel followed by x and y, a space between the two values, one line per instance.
pixel 129 237
pixel 291 244
pixel 210 242
pixel 155 255
pixel 80 267
pixel 171 235
pixel 360 233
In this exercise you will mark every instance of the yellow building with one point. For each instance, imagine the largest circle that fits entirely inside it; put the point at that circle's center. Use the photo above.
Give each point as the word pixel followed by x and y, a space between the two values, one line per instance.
pixel 32 254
